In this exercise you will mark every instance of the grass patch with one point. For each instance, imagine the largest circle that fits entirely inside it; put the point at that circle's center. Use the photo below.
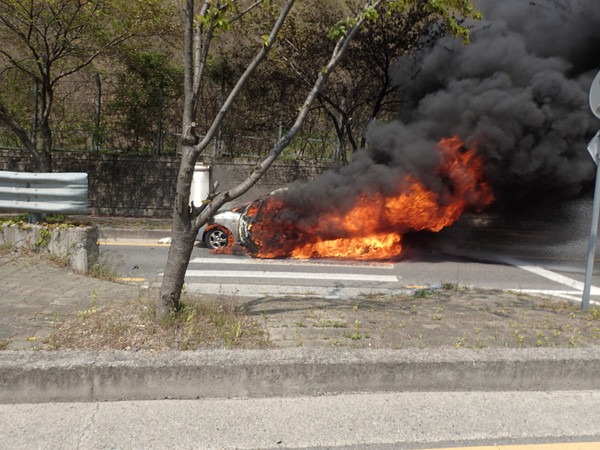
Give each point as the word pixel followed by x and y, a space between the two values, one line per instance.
pixel 447 286
pixel 107 267
pixel 424 293
pixel 199 324
pixel 354 336
pixel 9 220
pixel 56 220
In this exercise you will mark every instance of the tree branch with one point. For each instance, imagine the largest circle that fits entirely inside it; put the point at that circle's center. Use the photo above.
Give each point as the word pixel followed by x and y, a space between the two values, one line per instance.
pixel 337 53
pixel 8 119
pixel 244 78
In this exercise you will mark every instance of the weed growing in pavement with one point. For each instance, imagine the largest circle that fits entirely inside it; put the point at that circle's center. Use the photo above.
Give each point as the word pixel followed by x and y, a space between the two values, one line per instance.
pixel 50 342
pixel 310 314
pixel 447 286
pixel 482 343
pixel 356 335
pixel 423 293
pixel 438 315
pixel 594 314
pixel 460 342
pixel 232 336
pixel 331 324
pixel 520 337
pixel 83 314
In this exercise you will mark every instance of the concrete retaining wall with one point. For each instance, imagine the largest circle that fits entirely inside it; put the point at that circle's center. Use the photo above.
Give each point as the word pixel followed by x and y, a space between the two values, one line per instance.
pixel 77 245
pixel 144 186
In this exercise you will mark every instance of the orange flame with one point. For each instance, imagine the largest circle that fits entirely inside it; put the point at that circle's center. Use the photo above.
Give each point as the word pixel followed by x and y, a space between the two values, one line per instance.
pixel 372 229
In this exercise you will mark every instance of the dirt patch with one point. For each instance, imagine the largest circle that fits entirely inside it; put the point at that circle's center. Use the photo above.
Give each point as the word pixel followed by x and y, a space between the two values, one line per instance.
pixel 132 326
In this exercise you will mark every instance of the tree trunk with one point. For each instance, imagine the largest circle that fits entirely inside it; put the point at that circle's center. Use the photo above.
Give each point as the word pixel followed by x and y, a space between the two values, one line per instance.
pixel 46 153
pixel 183 237
pixel 46 98
pixel 182 244
pixel 45 161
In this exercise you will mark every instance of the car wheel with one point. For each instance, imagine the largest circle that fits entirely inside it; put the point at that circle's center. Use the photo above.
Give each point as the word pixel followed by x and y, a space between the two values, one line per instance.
pixel 217 238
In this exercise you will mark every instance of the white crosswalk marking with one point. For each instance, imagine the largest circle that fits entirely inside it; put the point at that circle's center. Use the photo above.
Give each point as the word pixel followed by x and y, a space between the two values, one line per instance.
pixel 261 290
pixel 262 274
pixel 292 262
pixel 251 277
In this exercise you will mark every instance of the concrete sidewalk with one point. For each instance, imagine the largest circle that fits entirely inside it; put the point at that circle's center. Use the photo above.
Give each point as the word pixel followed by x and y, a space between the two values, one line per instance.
pixel 36 293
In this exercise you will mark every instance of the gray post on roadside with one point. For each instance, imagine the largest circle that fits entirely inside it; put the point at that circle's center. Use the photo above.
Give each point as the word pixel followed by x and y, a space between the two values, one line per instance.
pixel 593 148
pixel 585 303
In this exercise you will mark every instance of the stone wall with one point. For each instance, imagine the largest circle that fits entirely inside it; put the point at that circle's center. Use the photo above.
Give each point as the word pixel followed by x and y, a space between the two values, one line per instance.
pixel 144 186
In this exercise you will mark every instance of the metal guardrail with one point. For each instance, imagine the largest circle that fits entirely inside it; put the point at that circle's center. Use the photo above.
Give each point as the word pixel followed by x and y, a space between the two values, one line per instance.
pixel 64 193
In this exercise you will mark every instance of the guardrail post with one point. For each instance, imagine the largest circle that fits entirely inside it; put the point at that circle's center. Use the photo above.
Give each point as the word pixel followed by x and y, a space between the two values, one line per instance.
pixel 34 217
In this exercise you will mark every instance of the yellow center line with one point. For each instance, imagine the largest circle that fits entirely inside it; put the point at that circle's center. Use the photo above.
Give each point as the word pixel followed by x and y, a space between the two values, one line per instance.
pixel 561 446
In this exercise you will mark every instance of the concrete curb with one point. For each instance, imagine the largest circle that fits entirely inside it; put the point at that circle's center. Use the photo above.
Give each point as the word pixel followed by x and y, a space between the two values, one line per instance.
pixel 31 377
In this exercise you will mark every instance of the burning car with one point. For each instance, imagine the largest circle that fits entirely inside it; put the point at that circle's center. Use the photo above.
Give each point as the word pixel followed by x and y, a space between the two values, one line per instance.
pixel 368 225
pixel 222 230
pixel 230 227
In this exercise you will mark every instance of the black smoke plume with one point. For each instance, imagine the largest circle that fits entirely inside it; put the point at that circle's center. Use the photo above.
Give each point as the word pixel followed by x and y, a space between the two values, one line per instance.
pixel 519 92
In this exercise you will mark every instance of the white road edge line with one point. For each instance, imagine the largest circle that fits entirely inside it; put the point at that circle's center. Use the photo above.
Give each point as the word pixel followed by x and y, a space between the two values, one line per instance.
pixel 553 276
pixel 573 296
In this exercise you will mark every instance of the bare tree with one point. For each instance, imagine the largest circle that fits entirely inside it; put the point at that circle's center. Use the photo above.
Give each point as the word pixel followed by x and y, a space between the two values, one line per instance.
pixel 46 41
pixel 187 219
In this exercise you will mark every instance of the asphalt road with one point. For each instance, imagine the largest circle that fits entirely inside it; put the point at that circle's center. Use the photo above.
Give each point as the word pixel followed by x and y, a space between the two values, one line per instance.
pixel 505 259
pixel 379 420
